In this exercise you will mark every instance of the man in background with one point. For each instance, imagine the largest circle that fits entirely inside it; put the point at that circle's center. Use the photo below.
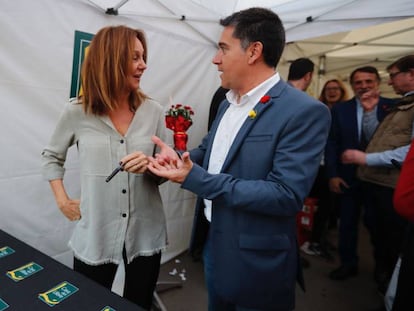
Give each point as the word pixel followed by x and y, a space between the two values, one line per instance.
pixel 301 73
pixel 348 132
pixel 300 77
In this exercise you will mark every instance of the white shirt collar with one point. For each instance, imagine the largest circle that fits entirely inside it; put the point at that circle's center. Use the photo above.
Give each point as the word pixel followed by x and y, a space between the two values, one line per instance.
pixel 254 95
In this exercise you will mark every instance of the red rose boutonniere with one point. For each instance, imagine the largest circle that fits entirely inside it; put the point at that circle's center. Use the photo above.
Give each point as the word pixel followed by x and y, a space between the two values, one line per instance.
pixel 265 99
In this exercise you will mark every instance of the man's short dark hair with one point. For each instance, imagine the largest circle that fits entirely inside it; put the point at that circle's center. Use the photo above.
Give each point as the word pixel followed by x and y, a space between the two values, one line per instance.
pixel 403 64
pixel 367 69
pixel 299 68
pixel 259 24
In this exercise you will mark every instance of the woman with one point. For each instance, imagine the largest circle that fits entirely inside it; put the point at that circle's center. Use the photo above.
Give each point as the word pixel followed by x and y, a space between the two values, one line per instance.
pixel 332 92
pixel 111 123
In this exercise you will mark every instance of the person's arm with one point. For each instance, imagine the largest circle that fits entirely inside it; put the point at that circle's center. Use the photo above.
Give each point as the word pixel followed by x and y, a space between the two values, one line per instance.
pixel 294 163
pixel 383 158
pixel 281 174
pixel 53 160
pixel 404 191
pixel 69 207
pixel 355 156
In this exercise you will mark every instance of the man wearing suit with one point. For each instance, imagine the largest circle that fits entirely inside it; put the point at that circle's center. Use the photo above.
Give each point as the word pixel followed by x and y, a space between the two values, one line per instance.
pixel 346 134
pixel 252 171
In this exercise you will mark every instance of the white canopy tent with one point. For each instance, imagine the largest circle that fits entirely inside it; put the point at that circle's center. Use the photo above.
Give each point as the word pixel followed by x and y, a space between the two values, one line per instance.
pixel 336 55
pixel 36 58
pixel 302 18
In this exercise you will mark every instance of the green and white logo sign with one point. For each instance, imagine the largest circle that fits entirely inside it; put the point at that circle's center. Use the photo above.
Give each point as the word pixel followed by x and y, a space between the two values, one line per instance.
pixel 82 41
pixel 24 271
pixel 58 293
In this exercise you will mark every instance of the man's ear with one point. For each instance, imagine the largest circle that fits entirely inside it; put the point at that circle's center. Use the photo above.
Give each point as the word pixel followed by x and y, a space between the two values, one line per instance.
pixel 411 71
pixel 309 75
pixel 254 51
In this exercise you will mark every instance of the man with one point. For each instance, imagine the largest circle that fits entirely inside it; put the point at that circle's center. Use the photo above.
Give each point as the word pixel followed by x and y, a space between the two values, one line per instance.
pixel 301 73
pixel 347 118
pixel 389 144
pixel 300 77
pixel 252 170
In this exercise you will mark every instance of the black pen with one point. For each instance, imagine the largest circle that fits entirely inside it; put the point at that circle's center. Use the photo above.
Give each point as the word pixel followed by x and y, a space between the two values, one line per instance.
pixel 119 168
pixel 180 156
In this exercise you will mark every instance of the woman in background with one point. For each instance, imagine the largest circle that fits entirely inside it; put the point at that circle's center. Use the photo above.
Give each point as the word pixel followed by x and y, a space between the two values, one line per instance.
pixel 111 123
pixel 332 92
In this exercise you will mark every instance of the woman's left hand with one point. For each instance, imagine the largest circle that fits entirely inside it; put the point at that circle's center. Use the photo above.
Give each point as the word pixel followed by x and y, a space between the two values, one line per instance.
pixel 135 162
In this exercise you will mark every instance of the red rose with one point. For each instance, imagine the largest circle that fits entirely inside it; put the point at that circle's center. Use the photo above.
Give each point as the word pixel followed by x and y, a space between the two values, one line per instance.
pixel 169 122
pixel 265 99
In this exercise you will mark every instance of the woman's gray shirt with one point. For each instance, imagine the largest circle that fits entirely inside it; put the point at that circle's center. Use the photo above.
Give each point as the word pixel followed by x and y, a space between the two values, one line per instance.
pixel 125 211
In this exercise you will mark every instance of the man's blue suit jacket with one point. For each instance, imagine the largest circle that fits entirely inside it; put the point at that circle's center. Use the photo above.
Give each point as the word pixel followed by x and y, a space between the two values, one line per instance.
pixel 344 135
pixel 268 172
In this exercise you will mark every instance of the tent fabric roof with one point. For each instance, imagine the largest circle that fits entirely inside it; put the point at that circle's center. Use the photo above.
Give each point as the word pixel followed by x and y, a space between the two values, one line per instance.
pixel 302 18
pixel 336 55
pixel 338 35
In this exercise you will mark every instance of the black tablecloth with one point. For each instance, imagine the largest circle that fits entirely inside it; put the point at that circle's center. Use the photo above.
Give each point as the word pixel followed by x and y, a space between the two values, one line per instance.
pixel 23 295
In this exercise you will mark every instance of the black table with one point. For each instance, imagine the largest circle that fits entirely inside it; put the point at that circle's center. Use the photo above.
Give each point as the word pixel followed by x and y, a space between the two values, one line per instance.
pixel 23 295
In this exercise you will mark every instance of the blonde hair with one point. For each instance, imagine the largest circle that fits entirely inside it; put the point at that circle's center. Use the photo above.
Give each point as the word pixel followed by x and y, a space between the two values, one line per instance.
pixel 105 69
pixel 344 92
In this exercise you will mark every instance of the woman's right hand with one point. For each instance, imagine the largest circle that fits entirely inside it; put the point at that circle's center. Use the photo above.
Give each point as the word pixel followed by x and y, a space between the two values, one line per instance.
pixel 70 208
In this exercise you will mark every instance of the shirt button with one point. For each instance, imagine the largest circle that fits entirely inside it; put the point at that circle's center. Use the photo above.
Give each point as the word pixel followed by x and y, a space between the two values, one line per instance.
pixel 124 215
pixel 121 141
pixel 123 191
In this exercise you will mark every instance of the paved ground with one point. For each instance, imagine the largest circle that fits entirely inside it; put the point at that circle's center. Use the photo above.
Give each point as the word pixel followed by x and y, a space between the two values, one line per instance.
pixel 322 294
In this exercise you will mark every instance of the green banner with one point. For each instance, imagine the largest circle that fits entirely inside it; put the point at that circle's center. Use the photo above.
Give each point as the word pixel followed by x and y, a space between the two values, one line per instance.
pixel 82 41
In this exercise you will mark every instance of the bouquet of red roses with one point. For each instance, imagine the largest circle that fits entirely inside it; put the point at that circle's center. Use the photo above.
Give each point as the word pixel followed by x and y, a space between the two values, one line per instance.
pixel 178 119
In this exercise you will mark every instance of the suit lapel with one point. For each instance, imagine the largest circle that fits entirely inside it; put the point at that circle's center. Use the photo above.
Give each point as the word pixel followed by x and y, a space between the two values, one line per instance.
pixel 353 113
pixel 249 123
